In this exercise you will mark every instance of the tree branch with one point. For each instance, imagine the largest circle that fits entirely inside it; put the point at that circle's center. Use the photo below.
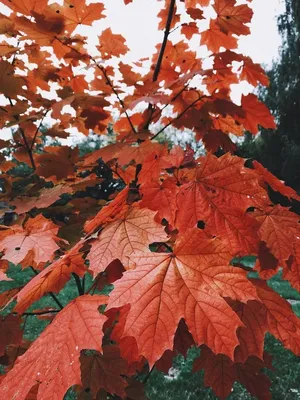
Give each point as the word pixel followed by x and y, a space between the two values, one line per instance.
pixel 26 144
pixel 38 128
pixel 161 55
pixel 165 40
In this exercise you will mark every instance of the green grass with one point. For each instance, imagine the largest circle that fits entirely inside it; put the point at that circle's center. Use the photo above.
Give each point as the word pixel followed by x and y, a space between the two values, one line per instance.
pixel 187 385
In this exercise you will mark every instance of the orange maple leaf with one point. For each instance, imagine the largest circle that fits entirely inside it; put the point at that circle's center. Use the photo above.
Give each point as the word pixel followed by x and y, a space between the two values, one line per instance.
pixel 189 283
pixel 214 38
pixel 119 239
pixel 232 18
pixel 53 359
pixel 37 240
pixel 51 279
pixel 256 113
pixel 111 44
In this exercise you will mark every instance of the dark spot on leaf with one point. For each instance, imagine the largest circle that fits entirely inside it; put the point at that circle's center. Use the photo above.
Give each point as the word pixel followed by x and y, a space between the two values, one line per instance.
pixel 201 224
pixel 87 390
pixel 227 16
pixel 17 248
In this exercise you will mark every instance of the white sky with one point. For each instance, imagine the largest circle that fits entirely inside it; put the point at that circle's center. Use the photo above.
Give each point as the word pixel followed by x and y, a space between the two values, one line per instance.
pixel 138 23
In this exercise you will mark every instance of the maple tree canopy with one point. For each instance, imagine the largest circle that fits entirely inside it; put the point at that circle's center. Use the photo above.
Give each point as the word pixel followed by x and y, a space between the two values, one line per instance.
pixel 164 239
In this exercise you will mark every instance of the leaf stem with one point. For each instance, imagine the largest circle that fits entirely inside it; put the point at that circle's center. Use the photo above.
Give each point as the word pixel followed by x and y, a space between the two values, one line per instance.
pixel 78 284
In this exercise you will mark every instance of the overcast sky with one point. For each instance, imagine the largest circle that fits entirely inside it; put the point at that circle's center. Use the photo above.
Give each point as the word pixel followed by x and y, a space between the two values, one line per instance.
pixel 138 23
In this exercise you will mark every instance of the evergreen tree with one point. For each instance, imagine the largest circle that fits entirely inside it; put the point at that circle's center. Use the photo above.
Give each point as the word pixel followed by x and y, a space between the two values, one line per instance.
pixel 279 150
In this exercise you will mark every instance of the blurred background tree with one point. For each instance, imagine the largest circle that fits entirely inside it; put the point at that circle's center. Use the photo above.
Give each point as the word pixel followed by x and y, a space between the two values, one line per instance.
pixel 279 150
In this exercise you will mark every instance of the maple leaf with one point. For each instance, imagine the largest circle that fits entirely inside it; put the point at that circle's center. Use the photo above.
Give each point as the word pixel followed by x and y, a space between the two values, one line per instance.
pixel 37 241
pixel 232 18
pixel 53 359
pixel 216 183
pixel 10 332
pixel 10 85
pixel 221 373
pixel 104 371
pixel 214 38
pixel 279 228
pixel 292 272
pixel 253 73
pixel 56 163
pixel 119 239
pixel 76 12
pixel 189 284
pixel 256 113
pixel 161 198
pixel 195 13
pixel 52 279
pixel 111 44
pixel 275 183
pixel 271 314
pixel 45 199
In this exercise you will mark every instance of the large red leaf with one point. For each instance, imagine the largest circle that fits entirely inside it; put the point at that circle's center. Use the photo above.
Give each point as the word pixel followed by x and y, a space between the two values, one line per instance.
pixel 161 198
pixel 51 279
pixel 232 18
pixel 36 242
pixel 10 332
pixel 256 113
pixel 279 229
pixel 189 284
pixel 104 371
pixel 119 239
pixel 274 182
pixel 218 183
pixel 221 373
pixel 280 319
pixel 292 270
pixel 53 359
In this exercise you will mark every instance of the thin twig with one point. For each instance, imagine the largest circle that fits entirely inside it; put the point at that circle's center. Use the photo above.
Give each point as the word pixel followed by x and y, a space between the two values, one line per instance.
pixel 173 99
pixel 27 147
pixel 102 69
pixel 177 117
pixel 38 128
pixel 38 313
pixel 148 375
pixel 26 144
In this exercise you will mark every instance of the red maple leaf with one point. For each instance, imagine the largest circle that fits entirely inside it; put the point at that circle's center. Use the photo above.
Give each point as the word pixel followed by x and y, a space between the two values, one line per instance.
pixel 53 360
pixel 35 244
pixel 189 283
pixel 118 240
